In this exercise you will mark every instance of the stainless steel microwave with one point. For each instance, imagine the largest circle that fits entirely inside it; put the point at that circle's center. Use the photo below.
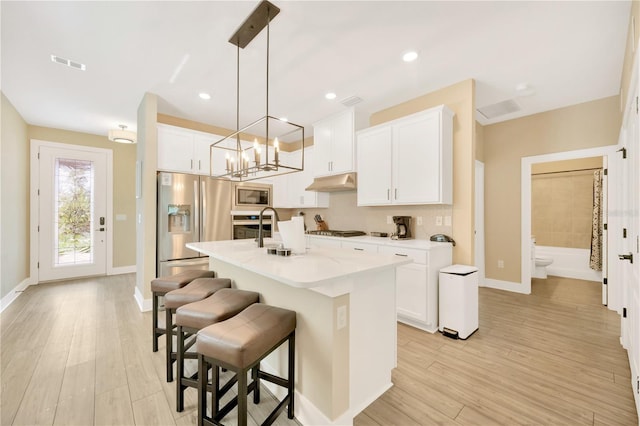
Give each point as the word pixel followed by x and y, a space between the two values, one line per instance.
pixel 251 195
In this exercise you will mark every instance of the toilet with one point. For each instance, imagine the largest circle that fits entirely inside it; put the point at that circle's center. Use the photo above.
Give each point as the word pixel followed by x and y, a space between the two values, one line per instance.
pixel 538 263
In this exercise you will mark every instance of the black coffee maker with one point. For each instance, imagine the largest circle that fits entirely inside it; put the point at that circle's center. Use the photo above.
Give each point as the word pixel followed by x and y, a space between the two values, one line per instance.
pixel 403 227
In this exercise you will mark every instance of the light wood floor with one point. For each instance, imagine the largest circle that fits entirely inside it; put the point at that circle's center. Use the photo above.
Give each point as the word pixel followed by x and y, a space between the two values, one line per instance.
pixel 79 353
pixel 549 358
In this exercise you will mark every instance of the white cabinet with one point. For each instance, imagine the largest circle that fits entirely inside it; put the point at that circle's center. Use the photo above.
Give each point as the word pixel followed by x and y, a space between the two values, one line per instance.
pixel 184 150
pixel 408 160
pixel 417 284
pixel 333 141
pixel 360 246
pixel 289 190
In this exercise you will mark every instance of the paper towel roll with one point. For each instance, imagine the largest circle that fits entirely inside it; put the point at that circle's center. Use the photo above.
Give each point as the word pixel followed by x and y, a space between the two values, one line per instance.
pixel 292 232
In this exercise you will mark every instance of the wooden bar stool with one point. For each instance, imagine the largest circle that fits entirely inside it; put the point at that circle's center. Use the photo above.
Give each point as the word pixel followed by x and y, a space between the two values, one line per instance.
pixel 198 289
pixel 161 286
pixel 190 318
pixel 239 344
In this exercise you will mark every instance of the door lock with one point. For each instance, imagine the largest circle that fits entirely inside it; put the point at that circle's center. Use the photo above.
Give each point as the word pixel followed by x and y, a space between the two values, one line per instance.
pixel 628 257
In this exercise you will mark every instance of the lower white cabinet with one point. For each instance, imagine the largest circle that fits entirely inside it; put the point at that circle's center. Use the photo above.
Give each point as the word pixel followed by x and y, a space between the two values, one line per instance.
pixel 416 282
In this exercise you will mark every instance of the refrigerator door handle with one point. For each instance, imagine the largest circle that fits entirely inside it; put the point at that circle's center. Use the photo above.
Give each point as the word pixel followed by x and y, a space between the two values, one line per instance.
pixel 196 205
pixel 203 200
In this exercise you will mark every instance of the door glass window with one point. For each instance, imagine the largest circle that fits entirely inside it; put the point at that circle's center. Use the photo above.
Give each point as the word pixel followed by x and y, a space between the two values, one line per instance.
pixel 73 203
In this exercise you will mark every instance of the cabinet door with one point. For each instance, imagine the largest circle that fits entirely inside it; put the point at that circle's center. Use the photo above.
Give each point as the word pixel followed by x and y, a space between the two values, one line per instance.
pixel 342 143
pixel 280 191
pixel 175 150
pixel 202 155
pixel 322 136
pixel 374 166
pixel 411 292
pixel 416 164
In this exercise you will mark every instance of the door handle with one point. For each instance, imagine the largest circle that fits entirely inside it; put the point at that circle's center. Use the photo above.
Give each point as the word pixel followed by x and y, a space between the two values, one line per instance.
pixel 628 257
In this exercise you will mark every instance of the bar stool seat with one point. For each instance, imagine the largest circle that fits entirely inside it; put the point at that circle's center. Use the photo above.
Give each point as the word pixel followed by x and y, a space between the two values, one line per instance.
pixel 239 344
pixel 192 317
pixel 198 289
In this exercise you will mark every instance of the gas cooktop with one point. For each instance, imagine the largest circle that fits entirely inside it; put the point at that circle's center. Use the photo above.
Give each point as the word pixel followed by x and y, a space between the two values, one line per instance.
pixel 334 233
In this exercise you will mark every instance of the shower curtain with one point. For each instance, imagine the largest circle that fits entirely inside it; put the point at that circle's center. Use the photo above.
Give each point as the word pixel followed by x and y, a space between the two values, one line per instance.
pixel 595 262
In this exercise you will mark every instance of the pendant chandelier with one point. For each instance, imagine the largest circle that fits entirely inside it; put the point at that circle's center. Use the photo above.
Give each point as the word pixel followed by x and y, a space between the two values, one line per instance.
pixel 254 151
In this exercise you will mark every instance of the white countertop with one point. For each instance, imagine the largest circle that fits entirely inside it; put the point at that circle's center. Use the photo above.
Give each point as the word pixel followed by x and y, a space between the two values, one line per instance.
pixel 366 239
pixel 318 267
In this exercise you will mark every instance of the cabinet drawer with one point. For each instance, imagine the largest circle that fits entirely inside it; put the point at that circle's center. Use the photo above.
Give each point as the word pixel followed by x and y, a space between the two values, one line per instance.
pixel 352 245
pixel 418 256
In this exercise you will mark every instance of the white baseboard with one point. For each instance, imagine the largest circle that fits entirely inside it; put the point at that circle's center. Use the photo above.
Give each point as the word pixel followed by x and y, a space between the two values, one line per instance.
pixel 506 285
pixel 13 294
pixel 122 270
pixel 145 305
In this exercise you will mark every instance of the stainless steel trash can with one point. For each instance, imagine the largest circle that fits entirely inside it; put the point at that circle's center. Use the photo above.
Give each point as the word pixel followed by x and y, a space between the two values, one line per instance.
pixel 458 301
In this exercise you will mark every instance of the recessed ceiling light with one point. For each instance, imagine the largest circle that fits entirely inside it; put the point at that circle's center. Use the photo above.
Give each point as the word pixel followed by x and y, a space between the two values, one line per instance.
pixel 284 119
pixel 525 89
pixel 204 96
pixel 410 56
pixel 330 96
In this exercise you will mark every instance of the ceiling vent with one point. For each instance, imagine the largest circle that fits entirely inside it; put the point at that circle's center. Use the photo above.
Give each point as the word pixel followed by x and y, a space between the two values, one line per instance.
pixel 351 101
pixel 501 108
pixel 68 62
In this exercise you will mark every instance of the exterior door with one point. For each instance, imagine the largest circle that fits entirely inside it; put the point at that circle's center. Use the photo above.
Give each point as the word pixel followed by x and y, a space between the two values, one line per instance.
pixel 72 212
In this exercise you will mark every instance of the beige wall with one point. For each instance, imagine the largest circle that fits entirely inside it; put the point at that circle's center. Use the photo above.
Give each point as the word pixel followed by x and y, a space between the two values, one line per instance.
pixel 124 157
pixel 460 98
pixel 14 199
pixel 581 126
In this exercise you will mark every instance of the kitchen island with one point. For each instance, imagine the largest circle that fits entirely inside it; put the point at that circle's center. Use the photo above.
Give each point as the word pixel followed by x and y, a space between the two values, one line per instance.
pixel 346 321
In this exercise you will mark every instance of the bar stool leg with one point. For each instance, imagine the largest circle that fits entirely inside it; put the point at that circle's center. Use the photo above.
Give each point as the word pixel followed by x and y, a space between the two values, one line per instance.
pixel 169 344
pixel 242 398
pixel 154 321
pixel 202 389
pixel 180 370
pixel 290 377
pixel 256 379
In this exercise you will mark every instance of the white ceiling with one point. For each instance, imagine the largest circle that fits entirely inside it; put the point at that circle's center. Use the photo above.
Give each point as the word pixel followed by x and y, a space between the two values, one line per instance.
pixel 569 52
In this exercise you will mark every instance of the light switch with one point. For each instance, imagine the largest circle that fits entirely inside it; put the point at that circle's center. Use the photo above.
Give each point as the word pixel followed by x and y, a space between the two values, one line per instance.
pixel 447 221
pixel 438 220
pixel 341 320
pixel 419 220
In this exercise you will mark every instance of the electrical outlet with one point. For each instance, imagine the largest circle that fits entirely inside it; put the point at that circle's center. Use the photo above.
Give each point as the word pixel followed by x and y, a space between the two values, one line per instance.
pixel 447 221
pixel 500 263
pixel 341 320
pixel 389 220
pixel 438 220
pixel 419 219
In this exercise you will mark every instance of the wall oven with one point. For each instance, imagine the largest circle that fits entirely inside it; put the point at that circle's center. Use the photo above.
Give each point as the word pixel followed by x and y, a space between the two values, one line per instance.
pixel 245 224
pixel 251 196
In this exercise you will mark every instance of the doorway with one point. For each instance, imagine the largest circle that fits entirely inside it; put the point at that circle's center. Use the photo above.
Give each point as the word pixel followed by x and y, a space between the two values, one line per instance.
pixel 71 199
pixel 527 163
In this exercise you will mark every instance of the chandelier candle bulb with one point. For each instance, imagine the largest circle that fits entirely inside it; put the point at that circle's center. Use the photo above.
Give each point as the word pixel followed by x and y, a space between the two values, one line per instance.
pixel 276 147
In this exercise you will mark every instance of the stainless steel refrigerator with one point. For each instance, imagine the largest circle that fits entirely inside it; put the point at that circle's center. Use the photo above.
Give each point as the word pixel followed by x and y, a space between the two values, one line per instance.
pixel 191 208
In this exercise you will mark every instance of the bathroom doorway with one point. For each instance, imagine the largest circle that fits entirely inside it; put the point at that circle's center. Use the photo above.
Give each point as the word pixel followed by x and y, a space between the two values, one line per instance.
pixel 538 163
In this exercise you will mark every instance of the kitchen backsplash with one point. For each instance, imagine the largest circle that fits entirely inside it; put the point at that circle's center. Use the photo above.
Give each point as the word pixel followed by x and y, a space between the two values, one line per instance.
pixel 344 214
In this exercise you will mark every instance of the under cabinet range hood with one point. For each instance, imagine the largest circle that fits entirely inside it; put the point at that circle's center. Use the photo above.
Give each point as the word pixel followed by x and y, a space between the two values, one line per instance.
pixel 335 183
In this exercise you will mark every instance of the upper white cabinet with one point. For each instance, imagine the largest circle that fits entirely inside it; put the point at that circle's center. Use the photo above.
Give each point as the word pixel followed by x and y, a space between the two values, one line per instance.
pixel 184 150
pixel 289 190
pixel 333 142
pixel 408 160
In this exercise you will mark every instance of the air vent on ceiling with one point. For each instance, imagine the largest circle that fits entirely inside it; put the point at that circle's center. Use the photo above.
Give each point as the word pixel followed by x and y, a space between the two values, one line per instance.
pixel 351 101
pixel 68 62
pixel 501 108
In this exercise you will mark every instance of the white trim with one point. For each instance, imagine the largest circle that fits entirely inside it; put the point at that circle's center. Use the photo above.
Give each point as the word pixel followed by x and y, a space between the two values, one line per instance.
pixel 507 286
pixel 33 214
pixel 145 305
pixel 13 294
pixel 119 270
pixel 525 200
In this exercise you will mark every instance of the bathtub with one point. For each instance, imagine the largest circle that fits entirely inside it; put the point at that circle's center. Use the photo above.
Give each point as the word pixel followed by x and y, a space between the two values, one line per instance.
pixel 569 263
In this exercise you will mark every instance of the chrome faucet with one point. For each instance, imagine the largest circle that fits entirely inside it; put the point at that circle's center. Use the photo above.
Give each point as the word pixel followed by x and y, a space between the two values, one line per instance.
pixel 260 232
